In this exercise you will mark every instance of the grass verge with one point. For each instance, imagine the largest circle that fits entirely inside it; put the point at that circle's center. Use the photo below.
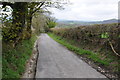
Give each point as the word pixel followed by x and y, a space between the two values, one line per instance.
pixel 14 59
pixel 89 54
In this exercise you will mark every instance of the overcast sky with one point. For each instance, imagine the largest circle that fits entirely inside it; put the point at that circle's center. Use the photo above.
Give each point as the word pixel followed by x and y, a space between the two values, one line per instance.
pixel 88 10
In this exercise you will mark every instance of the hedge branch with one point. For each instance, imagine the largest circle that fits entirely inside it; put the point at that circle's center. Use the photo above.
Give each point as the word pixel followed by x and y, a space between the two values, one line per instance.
pixel 113 49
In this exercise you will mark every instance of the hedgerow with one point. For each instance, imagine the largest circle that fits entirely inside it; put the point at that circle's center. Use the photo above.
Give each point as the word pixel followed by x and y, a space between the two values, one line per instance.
pixel 103 35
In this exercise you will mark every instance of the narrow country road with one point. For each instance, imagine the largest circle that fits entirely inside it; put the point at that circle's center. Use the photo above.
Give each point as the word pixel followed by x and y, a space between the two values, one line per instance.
pixel 56 61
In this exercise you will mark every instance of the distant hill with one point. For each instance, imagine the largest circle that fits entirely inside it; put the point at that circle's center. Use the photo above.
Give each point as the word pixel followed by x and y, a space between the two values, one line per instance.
pixel 110 21
pixel 78 23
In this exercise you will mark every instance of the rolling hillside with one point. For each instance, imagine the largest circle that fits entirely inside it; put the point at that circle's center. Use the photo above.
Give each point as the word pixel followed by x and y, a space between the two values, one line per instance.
pixel 71 23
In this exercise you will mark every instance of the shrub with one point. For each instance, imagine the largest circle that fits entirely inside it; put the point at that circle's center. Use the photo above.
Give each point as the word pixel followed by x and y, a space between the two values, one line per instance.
pixel 96 35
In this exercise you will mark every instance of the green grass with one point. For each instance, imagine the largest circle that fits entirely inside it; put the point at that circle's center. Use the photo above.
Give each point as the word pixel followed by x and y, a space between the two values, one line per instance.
pixel 0 55
pixel 89 54
pixel 0 66
pixel 14 59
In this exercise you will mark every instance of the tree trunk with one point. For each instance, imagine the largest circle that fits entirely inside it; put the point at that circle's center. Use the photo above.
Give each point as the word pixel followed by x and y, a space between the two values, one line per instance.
pixel 29 22
pixel 19 15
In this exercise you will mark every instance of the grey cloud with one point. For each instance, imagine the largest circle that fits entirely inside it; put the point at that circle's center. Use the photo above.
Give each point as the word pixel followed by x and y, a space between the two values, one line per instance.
pixel 89 10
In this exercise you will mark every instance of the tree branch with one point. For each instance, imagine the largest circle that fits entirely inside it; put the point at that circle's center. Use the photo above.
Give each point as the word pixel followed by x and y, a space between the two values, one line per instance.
pixel 42 3
pixel 7 3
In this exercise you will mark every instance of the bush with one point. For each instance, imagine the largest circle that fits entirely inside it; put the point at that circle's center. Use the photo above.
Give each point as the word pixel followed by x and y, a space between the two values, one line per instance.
pixel 95 35
pixel 9 34
pixel 51 24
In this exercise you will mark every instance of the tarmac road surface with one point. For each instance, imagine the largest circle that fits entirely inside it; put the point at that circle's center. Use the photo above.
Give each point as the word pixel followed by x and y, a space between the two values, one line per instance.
pixel 56 61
